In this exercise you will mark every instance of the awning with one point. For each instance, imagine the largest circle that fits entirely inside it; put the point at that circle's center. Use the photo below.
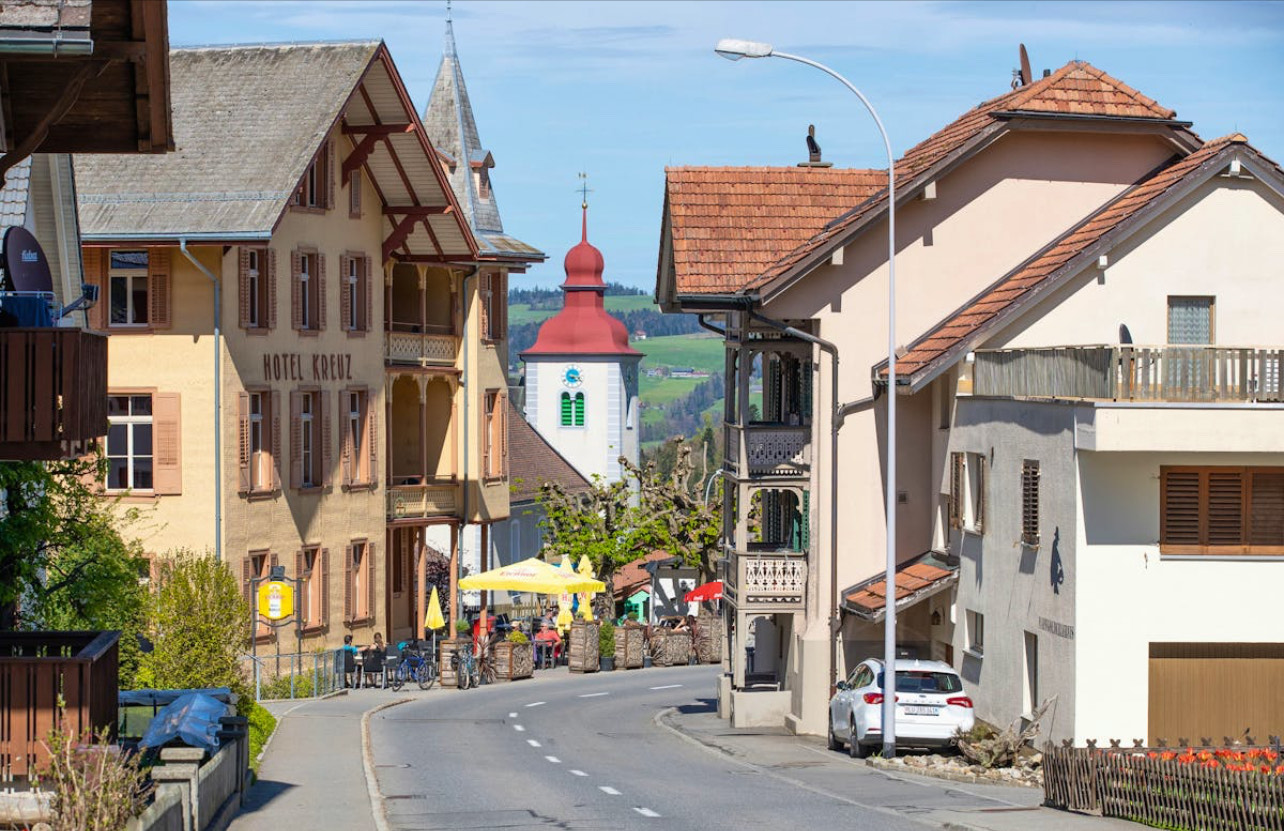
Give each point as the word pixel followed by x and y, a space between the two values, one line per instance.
pixel 916 579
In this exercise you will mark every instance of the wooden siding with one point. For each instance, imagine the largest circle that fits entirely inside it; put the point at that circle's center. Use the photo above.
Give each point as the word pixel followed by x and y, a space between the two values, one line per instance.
pixel 53 392
pixel 1215 690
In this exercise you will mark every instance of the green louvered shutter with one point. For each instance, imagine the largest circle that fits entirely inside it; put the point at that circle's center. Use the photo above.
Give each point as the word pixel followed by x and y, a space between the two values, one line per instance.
pixel 579 409
pixel 566 409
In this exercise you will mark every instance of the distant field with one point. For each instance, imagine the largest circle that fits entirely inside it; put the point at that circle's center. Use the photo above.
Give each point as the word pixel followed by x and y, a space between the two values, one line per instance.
pixel 656 391
pixel 697 351
pixel 519 313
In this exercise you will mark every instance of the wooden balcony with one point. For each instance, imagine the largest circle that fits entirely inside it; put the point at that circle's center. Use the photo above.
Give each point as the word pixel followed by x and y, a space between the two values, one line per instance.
pixel 421 349
pixel 768 450
pixel 1130 372
pixel 38 668
pixel 766 580
pixel 53 392
pixel 438 498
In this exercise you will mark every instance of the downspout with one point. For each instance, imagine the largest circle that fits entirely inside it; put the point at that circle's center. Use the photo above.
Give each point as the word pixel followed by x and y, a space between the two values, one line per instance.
pixel 218 398
pixel 457 601
pixel 835 422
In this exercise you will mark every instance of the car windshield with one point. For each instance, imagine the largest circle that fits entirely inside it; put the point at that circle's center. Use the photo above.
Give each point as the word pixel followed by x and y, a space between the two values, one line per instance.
pixel 925 681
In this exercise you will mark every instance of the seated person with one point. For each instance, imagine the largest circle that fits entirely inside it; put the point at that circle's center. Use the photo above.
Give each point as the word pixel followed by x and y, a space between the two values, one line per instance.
pixel 350 653
pixel 372 662
pixel 548 636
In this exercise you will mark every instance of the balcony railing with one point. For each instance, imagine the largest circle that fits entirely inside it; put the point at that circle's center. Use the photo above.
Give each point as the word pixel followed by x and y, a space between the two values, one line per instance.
pixel 415 349
pixel 769 449
pixel 1132 373
pixel 433 499
pixel 772 580
pixel 53 392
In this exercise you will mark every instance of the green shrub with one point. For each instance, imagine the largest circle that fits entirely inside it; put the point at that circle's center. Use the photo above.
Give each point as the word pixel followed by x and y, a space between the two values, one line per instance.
pixel 262 724
pixel 516 636
pixel 606 638
pixel 463 628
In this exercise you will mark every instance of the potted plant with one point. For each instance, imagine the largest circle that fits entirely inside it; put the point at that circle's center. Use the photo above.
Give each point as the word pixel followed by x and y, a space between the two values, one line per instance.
pixel 606 645
pixel 514 657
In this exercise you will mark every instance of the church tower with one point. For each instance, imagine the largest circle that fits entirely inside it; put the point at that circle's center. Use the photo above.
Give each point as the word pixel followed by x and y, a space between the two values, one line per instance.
pixel 582 375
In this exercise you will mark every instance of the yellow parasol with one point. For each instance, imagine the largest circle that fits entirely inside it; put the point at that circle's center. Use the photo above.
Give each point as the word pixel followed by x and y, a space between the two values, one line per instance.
pixel 564 614
pixel 532 575
pixel 434 620
pixel 586 598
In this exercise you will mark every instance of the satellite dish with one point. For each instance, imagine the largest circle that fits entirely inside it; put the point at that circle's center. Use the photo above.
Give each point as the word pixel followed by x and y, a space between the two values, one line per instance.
pixel 25 265
pixel 1125 336
pixel 1027 76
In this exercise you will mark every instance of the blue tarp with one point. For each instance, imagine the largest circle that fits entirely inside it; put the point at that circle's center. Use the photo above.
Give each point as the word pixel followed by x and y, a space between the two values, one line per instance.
pixel 192 718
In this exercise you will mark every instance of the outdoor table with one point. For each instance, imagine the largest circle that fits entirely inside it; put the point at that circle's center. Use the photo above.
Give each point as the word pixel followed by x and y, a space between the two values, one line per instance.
pixel 545 654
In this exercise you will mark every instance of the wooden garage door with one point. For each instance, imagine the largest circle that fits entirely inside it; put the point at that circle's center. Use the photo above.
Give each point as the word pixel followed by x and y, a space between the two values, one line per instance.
pixel 1216 690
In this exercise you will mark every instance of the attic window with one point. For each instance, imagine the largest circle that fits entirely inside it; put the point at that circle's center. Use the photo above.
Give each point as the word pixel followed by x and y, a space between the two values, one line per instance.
pixel 316 188
pixel 482 180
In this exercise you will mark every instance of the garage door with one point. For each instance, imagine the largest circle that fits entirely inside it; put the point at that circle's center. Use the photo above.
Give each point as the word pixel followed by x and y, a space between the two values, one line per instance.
pixel 1215 690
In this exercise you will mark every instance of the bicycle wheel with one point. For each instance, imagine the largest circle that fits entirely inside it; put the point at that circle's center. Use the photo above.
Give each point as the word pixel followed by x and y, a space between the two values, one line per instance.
pixel 426 675
pixel 465 676
pixel 398 679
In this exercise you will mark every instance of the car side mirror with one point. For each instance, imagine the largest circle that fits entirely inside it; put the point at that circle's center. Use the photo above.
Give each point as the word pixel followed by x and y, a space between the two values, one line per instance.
pixel 842 686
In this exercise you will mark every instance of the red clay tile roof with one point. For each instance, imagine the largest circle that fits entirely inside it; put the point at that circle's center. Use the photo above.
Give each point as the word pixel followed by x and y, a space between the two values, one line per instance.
pixel 532 461
pixel 730 223
pixel 1043 266
pixel 870 599
pixel 632 576
pixel 740 228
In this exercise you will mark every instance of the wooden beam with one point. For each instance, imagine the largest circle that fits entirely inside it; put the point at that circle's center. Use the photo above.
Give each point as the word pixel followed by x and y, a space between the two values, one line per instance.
pixel 32 141
pixel 400 231
pixel 358 156
pixel 377 129
pixel 433 237
pixel 401 171
pixel 418 210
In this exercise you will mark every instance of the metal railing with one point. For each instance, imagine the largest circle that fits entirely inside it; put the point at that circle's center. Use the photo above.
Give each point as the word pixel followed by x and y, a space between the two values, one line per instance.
pixel 294 674
pixel 1129 372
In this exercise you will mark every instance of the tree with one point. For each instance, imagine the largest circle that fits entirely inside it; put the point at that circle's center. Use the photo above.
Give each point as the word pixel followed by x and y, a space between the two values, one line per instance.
pixel 199 626
pixel 672 508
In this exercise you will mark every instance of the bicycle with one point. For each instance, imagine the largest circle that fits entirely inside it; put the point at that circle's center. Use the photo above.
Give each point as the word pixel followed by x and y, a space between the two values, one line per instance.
pixel 414 666
pixel 464 663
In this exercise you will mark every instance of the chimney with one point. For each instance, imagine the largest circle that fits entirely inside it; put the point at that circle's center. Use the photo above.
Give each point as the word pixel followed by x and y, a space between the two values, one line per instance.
pixel 813 150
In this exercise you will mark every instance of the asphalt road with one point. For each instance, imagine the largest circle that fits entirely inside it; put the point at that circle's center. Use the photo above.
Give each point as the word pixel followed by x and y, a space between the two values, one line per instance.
pixel 588 752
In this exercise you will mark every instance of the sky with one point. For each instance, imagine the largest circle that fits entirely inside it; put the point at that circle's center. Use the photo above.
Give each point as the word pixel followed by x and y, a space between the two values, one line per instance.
pixel 620 90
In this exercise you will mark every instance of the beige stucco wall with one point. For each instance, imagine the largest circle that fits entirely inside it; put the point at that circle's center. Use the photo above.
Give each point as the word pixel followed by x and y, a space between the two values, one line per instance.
pixel 990 214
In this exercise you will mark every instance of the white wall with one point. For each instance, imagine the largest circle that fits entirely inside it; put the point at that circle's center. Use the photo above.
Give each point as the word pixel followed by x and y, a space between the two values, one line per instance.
pixel 608 432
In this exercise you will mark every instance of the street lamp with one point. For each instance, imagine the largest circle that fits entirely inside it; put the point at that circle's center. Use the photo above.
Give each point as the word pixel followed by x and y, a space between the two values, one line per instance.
pixel 734 50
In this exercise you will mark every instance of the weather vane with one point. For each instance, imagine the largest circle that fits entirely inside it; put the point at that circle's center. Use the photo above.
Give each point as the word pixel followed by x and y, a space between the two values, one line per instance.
pixel 584 189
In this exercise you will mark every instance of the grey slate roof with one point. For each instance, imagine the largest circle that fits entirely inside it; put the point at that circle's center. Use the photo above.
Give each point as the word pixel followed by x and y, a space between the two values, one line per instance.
pixel 30 22
pixel 449 121
pixel 247 121
pixel 532 461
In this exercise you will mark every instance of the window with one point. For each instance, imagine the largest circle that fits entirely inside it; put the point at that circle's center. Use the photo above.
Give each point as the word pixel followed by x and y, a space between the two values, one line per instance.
pixel 1030 674
pixel 258 412
pixel 354 194
pixel 358 590
pixel 975 633
pixel 567 410
pixel 495 434
pixel 312 565
pixel 130 298
pixel 494 305
pixel 308 290
pixel 1190 320
pixel 355 293
pixel 256 565
pixel 967 491
pixel 1030 502
pixel 257 270
pixel 1221 510
pixel 309 459
pixel 129 442
pixel 359 446
pixel 316 190
pixel 579 409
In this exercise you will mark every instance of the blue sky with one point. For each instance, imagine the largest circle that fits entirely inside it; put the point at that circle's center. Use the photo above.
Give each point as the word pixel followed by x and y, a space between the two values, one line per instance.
pixel 623 89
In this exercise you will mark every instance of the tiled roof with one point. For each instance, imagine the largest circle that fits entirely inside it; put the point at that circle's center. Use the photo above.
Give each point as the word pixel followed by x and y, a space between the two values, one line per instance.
pixel 1076 89
pixel 740 228
pixel 532 461
pixel 728 224
pixel 633 576
pixel 925 575
pixel 14 194
pixel 1016 285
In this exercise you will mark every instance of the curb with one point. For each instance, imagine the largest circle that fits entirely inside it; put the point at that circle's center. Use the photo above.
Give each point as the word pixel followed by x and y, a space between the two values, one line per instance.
pixel 377 808
pixel 964 778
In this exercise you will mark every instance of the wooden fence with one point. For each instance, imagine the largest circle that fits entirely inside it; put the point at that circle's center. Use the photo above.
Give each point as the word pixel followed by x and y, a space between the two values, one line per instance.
pixel 1129 784
pixel 38 667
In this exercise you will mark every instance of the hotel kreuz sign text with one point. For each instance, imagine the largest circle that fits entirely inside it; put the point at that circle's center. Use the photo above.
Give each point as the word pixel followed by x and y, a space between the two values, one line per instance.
pixel 295 366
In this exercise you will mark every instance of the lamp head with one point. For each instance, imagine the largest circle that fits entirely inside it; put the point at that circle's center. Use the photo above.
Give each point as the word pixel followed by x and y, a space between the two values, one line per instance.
pixel 734 50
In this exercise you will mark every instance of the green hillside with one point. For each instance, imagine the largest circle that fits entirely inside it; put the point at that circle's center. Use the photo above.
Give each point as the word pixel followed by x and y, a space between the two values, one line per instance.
pixel 702 352
pixel 519 313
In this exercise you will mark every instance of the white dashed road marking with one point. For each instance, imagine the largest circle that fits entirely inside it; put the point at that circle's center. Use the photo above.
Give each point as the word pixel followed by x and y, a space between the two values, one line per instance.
pixel 667 687
pixel 607 789
pixel 535 704
pixel 512 715
pixel 646 812
pixel 519 728
pixel 594 695
pixel 578 773
pixel 533 743
pixel 553 760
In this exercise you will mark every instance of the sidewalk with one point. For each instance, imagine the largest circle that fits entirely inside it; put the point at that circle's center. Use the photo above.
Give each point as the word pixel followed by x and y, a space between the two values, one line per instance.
pixel 804 758
pixel 312 775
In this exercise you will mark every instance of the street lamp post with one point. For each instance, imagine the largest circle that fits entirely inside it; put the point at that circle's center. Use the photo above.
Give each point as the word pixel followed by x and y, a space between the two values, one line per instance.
pixel 734 50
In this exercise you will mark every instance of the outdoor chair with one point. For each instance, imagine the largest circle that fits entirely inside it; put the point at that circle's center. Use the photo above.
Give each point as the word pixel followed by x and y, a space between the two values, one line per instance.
pixel 349 668
pixel 372 667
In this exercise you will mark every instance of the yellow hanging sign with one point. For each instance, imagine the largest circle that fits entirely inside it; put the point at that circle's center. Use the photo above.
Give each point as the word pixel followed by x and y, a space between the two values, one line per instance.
pixel 276 600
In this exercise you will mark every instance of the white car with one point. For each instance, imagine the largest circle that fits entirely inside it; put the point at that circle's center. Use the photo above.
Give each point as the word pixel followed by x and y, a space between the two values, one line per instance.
pixel 931 705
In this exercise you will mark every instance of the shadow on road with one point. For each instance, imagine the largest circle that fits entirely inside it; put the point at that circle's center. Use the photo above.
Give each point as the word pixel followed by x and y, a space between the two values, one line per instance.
pixel 701 705
pixel 262 793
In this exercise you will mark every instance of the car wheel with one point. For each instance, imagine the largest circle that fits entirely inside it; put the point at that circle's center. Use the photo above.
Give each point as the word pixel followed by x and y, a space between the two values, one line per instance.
pixel 834 743
pixel 854 748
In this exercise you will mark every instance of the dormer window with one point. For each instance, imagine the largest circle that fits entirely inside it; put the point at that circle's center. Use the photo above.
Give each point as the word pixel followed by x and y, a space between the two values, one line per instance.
pixel 316 190
pixel 482 180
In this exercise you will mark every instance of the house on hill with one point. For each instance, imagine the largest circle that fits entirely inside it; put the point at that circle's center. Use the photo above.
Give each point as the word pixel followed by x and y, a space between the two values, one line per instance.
pixel 1082 422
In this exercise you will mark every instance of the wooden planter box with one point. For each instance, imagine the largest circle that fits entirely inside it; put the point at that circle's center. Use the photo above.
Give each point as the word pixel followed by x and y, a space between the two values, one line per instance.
pixel 709 642
pixel 446 674
pixel 584 651
pixel 514 660
pixel 670 649
pixel 630 646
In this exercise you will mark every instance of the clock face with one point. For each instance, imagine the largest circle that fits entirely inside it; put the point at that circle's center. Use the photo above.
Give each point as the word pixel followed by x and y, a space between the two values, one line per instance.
pixel 572 377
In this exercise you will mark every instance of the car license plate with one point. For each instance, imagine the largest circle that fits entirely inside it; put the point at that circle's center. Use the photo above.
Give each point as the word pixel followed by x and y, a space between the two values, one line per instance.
pixel 920 711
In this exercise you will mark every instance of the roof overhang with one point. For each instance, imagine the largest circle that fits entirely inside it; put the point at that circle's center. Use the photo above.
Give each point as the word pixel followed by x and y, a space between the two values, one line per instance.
pixel 924 576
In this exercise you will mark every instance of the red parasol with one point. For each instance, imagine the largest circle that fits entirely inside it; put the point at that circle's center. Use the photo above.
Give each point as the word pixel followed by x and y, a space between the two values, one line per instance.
pixel 709 591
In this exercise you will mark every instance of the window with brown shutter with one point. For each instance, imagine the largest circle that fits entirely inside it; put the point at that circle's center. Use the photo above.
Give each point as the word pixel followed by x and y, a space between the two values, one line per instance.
pixel 256 283
pixel 310 567
pixel 307 290
pixel 158 279
pixel 256 565
pixel 1221 510
pixel 128 299
pixel 354 195
pixel 94 263
pixel 326 433
pixel 976 475
pixel 956 490
pixel 359 439
pixel 490 436
pixel 354 293
pixel 259 412
pixel 359 589
pixel 316 189
pixel 494 305
pixel 167 450
pixel 483 304
pixel 1030 502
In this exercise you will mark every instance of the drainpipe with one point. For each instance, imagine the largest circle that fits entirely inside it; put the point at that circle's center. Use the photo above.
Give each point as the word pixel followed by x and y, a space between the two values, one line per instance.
pixel 467 418
pixel 836 420
pixel 218 398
